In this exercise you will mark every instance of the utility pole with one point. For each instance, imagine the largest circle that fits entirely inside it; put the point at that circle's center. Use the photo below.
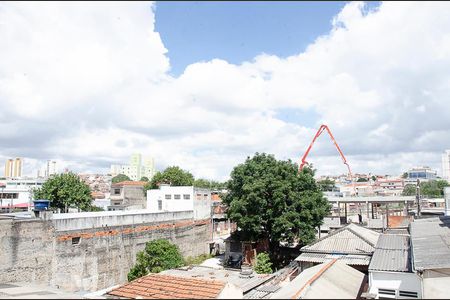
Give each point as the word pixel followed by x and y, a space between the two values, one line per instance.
pixel 418 197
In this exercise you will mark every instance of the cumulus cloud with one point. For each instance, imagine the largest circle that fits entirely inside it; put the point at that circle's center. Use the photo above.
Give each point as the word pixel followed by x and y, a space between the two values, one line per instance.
pixel 88 83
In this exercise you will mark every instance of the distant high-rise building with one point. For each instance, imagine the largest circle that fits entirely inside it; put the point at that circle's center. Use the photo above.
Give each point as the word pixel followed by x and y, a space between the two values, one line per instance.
pixel 51 168
pixel 13 168
pixel 149 167
pixel 138 167
pixel 446 165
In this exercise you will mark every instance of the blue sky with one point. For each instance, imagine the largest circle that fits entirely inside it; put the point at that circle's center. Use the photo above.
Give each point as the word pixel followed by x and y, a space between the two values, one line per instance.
pixel 367 82
pixel 237 31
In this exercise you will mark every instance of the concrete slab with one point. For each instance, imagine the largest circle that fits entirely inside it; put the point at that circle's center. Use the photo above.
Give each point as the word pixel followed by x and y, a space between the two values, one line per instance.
pixel 26 290
pixel 215 262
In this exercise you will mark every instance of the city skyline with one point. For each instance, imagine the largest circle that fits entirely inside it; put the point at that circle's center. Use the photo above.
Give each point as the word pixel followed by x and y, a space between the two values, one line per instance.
pixel 383 94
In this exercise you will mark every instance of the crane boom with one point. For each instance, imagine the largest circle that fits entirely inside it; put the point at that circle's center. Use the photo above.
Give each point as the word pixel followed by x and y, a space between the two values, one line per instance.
pixel 319 132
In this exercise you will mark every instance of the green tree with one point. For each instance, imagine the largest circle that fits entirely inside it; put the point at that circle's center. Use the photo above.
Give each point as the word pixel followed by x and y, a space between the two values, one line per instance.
pixel 120 178
pixel 210 184
pixel 263 264
pixel 374 178
pixel 158 255
pixel 429 189
pixel 174 176
pixel 409 190
pixel 271 199
pixel 361 180
pixel 64 191
pixel 433 188
pixel 144 178
pixel 326 185
pixel 405 175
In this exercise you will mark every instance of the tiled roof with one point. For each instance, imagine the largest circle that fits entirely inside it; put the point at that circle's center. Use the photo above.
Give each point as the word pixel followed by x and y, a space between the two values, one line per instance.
pixel 351 239
pixel 158 286
pixel 129 182
pixel 392 254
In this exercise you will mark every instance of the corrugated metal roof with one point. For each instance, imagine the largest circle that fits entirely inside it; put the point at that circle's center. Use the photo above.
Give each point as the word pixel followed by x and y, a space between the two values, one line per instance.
pixel 329 283
pixel 361 260
pixel 431 234
pixel 351 239
pixel 392 253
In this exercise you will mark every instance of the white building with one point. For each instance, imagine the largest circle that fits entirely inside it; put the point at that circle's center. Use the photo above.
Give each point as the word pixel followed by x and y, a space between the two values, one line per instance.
pixel 390 270
pixel 446 165
pixel 16 192
pixel 180 198
pixel 422 173
pixel 138 167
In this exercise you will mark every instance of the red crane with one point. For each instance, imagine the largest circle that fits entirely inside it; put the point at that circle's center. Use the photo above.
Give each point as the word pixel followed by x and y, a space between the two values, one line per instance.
pixel 319 132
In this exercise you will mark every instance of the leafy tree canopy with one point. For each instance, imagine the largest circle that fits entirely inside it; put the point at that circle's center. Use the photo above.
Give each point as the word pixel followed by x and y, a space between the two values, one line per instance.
pixel 174 176
pixel 144 178
pixel 429 189
pixel 409 190
pixel 158 255
pixel 211 184
pixel 64 191
pixel 120 178
pixel 326 185
pixel 271 199
pixel 263 264
pixel 362 180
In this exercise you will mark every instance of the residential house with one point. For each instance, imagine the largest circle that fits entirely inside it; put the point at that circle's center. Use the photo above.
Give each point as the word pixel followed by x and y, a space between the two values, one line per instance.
pixel 190 283
pixel 332 279
pixel 180 198
pixel 162 286
pixel 352 244
pixel 127 195
pixel 390 270
pixel 430 252
pixel 388 186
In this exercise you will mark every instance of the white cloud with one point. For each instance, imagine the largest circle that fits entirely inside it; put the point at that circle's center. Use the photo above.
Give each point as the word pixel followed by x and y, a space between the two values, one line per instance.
pixel 89 84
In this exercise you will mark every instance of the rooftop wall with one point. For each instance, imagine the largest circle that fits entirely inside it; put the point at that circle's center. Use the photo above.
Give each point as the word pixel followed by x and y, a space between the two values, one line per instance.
pixel 87 220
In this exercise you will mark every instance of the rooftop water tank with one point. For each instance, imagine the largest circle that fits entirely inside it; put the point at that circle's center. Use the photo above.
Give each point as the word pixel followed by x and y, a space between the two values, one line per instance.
pixel 41 204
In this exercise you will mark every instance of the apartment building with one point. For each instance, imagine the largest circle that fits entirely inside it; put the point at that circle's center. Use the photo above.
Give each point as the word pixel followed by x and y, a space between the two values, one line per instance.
pixel 180 198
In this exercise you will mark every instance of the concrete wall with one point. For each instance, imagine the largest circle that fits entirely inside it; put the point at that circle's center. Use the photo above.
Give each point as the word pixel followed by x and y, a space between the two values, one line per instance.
pixel 436 283
pixel 171 204
pixel 398 281
pixel 198 202
pixel 47 252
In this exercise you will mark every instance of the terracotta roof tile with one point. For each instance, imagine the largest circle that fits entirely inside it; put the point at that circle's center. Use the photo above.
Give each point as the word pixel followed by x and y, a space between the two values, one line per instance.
pixel 158 286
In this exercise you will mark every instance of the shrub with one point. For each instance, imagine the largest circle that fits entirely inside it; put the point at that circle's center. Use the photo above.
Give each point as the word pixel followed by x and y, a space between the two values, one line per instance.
pixel 263 264
pixel 159 255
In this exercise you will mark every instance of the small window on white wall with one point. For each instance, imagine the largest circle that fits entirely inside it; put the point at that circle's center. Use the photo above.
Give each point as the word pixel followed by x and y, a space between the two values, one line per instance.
pixel 168 196
pixel 159 204
pixel 177 197
pixel 186 196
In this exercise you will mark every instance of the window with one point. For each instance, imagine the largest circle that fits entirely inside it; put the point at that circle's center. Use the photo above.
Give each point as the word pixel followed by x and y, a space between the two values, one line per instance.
pixel 76 240
pixel 186 196
pixel 199 197
pixel 159 204
pixel 408 294
pixel 116 191
pixel 168 196
pixel 177 197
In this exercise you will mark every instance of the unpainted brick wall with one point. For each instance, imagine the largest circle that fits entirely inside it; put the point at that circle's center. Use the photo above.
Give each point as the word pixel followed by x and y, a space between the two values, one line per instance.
pixel 31 250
